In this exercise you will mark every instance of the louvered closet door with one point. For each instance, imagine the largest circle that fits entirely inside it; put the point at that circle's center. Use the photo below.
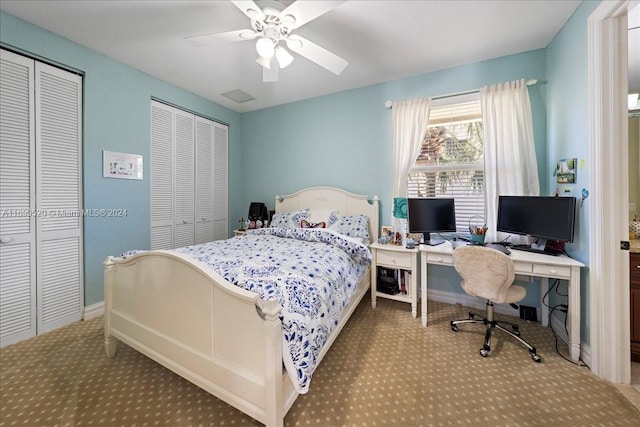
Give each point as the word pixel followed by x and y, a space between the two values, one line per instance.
pixel 161 176
pixel 17 199
pixel 204 181
pixel 58 189
pixel 183 234
pixel 220 182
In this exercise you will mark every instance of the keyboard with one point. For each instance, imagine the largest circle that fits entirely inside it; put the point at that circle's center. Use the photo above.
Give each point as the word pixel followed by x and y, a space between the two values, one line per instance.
pixel 499 247
pixel 535 251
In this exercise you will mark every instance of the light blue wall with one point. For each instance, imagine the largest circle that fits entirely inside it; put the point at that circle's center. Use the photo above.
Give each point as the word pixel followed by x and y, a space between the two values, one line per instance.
pixel 567 137
pixel 117 118
pixel 344 139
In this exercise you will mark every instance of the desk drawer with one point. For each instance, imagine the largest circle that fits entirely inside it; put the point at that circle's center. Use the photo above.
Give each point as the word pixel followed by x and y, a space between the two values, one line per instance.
pixel 394 259
pixel 525 268
pixel 439 258
pixel 551 270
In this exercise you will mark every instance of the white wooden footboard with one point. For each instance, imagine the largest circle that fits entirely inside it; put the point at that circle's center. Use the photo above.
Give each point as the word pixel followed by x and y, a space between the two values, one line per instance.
pixel 186 317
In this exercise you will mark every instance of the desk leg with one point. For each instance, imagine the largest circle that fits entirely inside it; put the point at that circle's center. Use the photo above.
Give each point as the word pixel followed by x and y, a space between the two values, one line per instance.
pixel 414 286
pixel 544 310
pixel 423 285
pixel 574 314
pixel 374 279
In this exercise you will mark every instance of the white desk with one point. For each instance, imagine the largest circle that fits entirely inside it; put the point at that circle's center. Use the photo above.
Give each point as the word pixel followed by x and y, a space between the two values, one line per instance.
pixel 528 264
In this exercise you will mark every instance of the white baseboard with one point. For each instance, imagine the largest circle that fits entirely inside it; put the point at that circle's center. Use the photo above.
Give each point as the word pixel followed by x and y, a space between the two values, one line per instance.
pixel 93 311
pixel 469 301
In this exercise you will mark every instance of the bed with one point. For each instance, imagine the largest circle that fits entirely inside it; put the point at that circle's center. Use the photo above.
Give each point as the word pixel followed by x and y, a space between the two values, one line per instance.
pixel 182 313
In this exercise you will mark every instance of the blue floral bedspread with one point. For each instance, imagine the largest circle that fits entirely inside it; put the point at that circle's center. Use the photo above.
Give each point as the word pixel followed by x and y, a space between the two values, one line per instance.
pixel 311 272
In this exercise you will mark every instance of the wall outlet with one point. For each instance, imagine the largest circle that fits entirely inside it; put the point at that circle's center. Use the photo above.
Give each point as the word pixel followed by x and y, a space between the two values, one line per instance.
pixel 632 207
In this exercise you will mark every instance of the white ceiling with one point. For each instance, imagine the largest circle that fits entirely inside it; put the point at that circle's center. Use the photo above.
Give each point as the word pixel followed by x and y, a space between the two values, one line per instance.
pixel 381 40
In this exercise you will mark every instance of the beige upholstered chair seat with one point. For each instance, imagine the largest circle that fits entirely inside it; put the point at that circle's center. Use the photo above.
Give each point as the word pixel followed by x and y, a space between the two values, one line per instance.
pixel 515 294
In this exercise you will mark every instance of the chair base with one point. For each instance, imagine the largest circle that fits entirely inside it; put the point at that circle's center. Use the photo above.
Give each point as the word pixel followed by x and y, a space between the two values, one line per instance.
pixel 491 324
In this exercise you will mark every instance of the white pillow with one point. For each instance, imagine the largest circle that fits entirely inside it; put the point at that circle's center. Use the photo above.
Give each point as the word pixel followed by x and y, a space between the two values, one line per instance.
pixel 321 215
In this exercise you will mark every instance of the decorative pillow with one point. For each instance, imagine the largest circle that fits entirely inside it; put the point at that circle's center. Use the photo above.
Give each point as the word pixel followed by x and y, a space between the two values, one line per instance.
pixel 351 225
pixel 306 224
pixel 289 219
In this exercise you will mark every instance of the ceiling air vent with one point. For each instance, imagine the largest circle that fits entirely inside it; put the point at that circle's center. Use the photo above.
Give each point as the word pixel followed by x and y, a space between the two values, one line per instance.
pixel 238 96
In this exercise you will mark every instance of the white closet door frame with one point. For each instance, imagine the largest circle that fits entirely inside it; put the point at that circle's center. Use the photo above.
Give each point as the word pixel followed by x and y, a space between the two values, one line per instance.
pixel 17 199
pixel 59 223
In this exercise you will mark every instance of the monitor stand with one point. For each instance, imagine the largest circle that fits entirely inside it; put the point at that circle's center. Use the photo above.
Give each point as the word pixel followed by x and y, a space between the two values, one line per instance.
pixel 426 240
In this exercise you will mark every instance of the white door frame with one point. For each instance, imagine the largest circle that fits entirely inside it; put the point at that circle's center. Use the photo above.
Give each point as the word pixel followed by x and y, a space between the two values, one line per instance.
pixel 608 276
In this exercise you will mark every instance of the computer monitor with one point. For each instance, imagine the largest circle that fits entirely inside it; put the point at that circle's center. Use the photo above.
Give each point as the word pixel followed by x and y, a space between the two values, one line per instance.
pixel 431 215
pixel 549 218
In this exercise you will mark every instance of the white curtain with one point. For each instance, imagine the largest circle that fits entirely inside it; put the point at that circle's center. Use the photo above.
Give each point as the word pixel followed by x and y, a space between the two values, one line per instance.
pixel 410 120
pixel 511 167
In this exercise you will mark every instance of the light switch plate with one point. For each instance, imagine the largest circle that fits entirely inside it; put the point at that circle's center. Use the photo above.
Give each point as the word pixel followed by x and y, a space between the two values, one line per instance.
pixel 632 207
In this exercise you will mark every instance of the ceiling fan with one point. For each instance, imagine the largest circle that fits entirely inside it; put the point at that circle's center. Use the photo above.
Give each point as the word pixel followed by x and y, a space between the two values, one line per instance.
pixel 272 24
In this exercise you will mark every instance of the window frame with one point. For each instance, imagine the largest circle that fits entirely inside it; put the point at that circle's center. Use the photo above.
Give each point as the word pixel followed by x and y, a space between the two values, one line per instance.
pixel 466 217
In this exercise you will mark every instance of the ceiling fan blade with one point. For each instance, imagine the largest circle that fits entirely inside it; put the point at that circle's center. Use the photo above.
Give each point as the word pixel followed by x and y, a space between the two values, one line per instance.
pixel 305 11
pixel 249 8
pixel 317 54
pixel 272 74
pixel 230 36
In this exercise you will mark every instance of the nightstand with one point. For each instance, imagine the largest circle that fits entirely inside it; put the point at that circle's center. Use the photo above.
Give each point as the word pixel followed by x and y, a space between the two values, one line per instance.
pixel 405 263
pixel 237 233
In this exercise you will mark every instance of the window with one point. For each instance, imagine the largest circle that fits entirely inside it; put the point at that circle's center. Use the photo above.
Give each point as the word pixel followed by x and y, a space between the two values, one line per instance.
pixel 451 161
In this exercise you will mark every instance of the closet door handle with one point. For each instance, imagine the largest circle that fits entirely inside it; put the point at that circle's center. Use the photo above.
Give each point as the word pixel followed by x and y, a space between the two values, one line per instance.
pixel 5 239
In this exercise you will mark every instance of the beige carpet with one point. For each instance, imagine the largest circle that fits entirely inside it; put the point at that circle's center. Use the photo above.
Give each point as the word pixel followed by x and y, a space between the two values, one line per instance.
pixel 385 369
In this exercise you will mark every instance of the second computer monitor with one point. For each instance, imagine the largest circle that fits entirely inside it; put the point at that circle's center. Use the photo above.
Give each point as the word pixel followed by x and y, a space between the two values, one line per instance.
pixel 428 215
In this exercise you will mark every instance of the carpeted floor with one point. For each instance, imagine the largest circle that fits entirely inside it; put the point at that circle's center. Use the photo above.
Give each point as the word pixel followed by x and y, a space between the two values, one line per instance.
pixel 385 369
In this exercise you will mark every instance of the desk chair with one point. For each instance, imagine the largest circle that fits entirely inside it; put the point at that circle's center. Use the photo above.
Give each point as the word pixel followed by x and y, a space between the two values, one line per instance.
pixel 489 274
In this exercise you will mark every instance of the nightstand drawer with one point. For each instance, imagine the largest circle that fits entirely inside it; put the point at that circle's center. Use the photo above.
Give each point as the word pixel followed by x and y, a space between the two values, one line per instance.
pixel 394 259
pixel 551 270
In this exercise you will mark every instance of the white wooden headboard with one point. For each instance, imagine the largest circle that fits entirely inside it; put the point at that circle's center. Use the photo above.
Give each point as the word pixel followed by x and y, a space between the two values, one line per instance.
pixel 333 198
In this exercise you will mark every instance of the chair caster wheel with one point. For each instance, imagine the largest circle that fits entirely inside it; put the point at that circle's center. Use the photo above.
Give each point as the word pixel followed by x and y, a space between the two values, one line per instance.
pixel 483 352
pixel 454 328
pixel 516 330
pixel 536 358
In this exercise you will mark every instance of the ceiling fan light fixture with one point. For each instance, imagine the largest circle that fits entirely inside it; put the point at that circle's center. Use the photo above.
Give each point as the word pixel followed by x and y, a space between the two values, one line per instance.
pixel 283 56
pixel 265 62
pixel 265 47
